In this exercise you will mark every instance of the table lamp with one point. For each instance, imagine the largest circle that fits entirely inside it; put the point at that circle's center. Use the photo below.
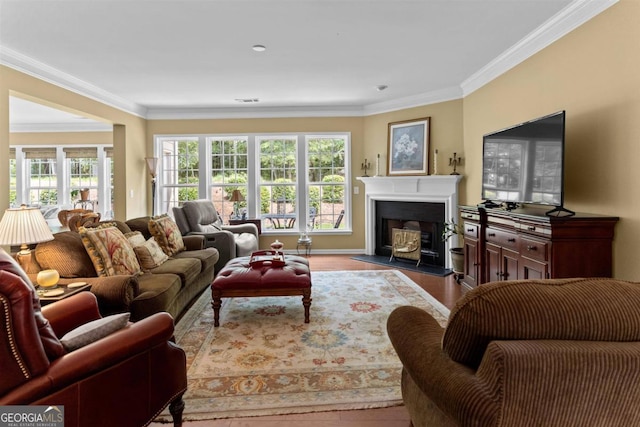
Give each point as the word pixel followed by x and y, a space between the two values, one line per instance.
pixel 236 197
pixel 24 226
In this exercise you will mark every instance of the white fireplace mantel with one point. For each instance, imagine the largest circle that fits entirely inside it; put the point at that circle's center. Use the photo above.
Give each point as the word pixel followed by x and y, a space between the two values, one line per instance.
pixel 428 188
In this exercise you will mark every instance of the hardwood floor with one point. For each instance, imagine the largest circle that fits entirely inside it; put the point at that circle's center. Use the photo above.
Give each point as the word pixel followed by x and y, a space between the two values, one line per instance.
pixel 444 289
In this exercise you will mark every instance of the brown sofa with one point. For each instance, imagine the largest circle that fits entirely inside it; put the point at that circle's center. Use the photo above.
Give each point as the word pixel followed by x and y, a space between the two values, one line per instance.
pixel 169 287
pixel 562 352
pixel 123 379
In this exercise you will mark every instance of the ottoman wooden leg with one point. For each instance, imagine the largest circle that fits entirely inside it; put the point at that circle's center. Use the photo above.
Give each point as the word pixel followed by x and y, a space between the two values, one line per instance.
pixel 216 303
pixel 306 302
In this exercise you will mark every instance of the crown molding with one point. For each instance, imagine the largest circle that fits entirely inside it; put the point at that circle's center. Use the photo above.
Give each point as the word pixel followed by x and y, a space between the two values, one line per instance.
pixel 575 14
pixel 441 95
pixel 42 71
pixel 250 112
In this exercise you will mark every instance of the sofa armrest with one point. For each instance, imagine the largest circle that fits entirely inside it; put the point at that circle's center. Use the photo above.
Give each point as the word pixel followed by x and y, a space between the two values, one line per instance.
pixel 136 338
pixel 194 242
pixel 223 241
pixel 71 312
pixel 453 387
pixel 562 382
pixel 242 228
pixel 114 293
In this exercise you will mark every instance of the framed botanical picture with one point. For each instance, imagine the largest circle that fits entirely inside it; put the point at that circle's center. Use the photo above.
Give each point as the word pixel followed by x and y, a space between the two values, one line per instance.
pixel 408 152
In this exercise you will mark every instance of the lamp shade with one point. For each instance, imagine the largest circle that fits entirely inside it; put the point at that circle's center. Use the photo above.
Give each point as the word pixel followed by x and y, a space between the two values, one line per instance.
pixel 236 196
pixel 152 164
pixel 24 226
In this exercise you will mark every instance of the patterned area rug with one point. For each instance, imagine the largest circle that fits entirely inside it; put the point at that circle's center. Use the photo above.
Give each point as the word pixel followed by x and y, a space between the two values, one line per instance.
pixel 264 360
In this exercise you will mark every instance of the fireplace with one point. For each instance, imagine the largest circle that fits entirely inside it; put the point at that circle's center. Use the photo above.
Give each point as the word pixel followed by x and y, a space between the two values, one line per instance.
pixel 430 201
pixel 424 216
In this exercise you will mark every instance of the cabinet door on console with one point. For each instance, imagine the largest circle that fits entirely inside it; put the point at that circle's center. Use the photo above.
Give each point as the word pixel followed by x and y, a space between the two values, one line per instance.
pixel 530 269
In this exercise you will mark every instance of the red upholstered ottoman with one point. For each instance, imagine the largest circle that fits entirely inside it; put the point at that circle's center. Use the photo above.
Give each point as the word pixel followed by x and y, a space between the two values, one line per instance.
pixel 240 279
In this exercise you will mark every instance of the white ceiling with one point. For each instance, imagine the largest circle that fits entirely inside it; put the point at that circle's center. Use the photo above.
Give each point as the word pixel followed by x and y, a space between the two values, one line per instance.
pixel 193 58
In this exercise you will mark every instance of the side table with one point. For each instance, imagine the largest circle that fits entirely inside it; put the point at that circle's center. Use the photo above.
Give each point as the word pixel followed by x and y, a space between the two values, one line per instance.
pixel 305 244
pixel 67 291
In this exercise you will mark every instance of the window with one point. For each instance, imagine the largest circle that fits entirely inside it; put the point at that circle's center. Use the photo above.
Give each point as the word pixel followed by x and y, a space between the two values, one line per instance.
pixel 278 181
pixel 229 172
pixel 179 171
pixel 52 178
pixel 327 185
pixel 292 182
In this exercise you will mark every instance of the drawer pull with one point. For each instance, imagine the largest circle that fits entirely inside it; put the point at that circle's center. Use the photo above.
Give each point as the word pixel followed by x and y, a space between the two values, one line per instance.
pixel 532 248
pixel 492 234
pixel 470 230
pixel 531 228
pixel 511 240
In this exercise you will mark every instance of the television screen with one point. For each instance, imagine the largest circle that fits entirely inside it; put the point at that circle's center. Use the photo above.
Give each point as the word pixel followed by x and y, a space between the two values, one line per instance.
pixel 524 163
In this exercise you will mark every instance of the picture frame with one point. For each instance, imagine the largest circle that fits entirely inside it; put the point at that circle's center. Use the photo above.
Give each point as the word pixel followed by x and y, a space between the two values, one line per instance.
pixel 408 149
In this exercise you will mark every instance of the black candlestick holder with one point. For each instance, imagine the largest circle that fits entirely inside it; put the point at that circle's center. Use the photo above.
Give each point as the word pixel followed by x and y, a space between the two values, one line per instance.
pixel 455 161
pixel 365 166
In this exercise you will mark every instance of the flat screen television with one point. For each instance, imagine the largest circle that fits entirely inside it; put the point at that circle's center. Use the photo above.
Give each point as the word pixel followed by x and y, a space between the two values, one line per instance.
pixel 525 164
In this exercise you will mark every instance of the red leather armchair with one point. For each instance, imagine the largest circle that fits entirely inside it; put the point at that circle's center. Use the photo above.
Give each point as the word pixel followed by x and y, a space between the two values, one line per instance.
pixel 124 379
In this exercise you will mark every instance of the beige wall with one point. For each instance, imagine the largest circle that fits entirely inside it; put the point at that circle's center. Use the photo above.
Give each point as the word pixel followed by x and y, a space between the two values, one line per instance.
pixel 61 138
pixel 129 148
pixel 594 74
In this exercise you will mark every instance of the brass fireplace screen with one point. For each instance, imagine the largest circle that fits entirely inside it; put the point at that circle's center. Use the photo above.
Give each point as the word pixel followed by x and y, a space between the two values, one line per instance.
pixel 406 244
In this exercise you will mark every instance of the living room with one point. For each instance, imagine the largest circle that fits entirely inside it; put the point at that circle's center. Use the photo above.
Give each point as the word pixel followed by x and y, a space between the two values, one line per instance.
pixel 580 73
pixel 591 73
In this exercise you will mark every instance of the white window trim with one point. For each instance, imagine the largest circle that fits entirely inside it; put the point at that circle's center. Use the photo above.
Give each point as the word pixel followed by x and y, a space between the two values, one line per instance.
pixel 253 184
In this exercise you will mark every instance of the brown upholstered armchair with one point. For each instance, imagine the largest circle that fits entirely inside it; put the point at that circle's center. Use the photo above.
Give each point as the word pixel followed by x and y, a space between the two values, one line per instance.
pixel 560 352
pixel 123 379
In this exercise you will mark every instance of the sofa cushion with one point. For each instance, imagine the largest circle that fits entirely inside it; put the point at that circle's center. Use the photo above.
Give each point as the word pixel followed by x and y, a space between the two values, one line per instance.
pixel 140 224
pixel 110 251
pixel 54 254
pixel 150 254
pixel 208 257
pixel 186 268
pixel 167 234
pixel 596 309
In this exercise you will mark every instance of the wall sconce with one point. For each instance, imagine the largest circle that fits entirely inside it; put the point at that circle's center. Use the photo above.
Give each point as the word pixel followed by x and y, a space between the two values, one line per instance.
pixel 236 197
pixel 152 165
pixel 24 226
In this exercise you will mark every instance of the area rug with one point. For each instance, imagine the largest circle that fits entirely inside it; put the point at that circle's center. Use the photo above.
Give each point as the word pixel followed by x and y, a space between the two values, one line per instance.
pixel 264 360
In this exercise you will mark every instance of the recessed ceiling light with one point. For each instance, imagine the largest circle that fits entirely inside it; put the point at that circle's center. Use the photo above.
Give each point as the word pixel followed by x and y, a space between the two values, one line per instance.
pixel 380 88
pixel 259 48
pixel 247 100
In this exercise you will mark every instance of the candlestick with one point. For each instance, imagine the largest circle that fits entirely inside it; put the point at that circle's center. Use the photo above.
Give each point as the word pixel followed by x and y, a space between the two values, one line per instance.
pixel 366 165
pixel 378 165
pixel 455 161
pixel 435 163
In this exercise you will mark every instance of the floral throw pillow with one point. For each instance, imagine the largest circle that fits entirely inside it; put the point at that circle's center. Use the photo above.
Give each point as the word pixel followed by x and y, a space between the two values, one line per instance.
pixel 150 254
pixel 167 234
pixel 110 251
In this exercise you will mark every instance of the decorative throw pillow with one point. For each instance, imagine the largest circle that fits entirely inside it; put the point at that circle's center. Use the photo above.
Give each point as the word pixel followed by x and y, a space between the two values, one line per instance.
pixel 150 254
pixel 167 234
pixel 135 238
pixel 110 251
pixel 93 331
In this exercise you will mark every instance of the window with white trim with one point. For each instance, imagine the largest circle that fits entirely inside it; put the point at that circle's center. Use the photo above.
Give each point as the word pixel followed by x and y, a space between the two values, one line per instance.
pixel 52 177
pixel 293 182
